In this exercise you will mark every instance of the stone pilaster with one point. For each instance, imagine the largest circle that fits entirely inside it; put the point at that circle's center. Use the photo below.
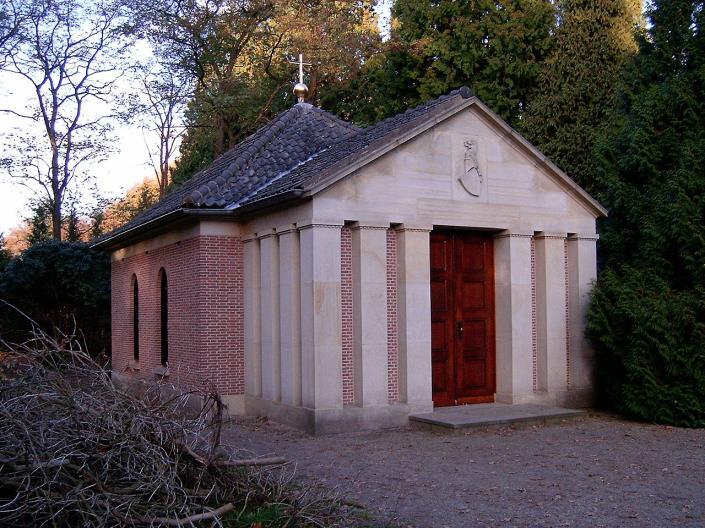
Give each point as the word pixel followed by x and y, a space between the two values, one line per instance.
pixel 551 314
pixel 369 248
pixel 253 344
pixel 290 315
pixel 269 317
pixel 414 317
pixel 321 343
pixel 513 314
pixel 582 273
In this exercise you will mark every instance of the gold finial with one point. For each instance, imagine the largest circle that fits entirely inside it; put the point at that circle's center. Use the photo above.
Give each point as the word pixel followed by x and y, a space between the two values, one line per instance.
pixel 300 89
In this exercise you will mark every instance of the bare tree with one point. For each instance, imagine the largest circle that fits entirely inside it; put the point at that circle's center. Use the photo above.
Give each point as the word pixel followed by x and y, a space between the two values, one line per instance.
pixel 208 42
pixel 66 53
pixel 12 16
pixel 165 95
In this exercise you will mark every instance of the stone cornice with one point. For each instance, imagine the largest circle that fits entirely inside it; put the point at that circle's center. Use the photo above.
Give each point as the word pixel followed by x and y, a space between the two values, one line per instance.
pixel 374 226
pixel 321 226
pixel 413 228
pixel 514 234
pixel 287 229
pixel 543 235
pixel 584 236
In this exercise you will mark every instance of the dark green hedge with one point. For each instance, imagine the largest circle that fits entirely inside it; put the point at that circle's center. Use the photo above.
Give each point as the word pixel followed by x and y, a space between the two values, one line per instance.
pixel 649 347
pixel 62 286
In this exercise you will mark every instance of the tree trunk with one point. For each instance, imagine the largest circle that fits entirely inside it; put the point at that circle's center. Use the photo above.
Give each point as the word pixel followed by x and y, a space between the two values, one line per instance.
pixel 56 220
pixel 56 199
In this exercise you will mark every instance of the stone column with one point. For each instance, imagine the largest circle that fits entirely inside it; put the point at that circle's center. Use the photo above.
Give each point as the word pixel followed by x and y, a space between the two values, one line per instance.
pixel 253 351
pixel 369 264
pixel 290 320
pixel 582 273
pixel 321 343
pixel 269 317
pixel 551 313
pixel 513 314
pixel 414 318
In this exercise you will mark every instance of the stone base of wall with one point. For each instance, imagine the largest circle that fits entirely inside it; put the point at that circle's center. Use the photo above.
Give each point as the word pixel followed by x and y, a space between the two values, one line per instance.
pixel 235 404
pixel 139 386
pixel 571 399
pixel 350 418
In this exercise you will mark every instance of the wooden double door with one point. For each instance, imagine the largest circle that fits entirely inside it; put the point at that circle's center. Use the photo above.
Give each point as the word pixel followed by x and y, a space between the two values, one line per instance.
pixel 462 317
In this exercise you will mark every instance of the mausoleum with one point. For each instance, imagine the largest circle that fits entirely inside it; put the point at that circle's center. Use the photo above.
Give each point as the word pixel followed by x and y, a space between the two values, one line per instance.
pixel 337 278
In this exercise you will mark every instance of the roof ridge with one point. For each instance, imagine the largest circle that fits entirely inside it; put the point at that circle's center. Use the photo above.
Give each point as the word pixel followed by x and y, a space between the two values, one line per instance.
pixel 424 106
pixel 334 118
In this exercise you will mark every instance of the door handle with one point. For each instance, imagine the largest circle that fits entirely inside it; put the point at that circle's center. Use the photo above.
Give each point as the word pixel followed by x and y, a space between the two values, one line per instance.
pixel 459 329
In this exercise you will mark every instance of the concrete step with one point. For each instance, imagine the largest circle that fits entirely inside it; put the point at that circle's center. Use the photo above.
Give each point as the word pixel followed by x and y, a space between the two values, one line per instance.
pixel 491 414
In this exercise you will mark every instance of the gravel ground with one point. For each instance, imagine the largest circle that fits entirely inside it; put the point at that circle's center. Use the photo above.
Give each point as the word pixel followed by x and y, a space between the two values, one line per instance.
pixel 592 472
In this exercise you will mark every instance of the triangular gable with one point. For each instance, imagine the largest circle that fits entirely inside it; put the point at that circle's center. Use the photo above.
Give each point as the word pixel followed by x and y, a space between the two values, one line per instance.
pixel 349 166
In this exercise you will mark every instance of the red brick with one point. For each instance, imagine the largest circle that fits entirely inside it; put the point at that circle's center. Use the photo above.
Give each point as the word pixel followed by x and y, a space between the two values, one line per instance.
pixel 206 324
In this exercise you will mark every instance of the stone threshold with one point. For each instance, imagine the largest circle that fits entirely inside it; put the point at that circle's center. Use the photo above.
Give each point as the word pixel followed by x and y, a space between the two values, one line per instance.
pixel 491 414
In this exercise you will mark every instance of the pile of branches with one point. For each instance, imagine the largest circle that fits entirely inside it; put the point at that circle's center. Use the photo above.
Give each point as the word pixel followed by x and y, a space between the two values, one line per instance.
pixel 76 450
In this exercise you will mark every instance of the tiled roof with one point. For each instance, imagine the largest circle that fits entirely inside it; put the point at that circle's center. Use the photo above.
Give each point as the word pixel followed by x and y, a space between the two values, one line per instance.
pixel 296 150
pixel 289 140
pixel 308 174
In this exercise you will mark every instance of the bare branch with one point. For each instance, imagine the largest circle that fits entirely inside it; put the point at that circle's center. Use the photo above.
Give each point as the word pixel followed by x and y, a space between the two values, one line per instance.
pixel 69 52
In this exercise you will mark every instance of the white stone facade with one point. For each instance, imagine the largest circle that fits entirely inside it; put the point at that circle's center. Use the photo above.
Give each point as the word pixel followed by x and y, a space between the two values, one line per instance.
pixel 545 263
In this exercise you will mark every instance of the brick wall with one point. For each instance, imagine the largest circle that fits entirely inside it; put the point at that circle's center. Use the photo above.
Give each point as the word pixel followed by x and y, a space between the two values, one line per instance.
pixel 206 334
pixel 346 295
pixel 392 334
pixel 534 326
pixel 567 313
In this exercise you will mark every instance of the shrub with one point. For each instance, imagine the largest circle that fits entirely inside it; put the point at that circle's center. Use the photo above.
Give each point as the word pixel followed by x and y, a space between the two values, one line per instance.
pixel 61 286
pixel 649 347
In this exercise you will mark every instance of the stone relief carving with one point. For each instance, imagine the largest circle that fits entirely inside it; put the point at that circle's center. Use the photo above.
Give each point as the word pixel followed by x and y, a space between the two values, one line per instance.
pixel 471 180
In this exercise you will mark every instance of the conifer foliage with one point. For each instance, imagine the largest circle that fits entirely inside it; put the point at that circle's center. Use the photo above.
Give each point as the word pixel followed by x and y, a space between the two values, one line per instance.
pixel 577 85
pixel 647 318
pixel 495 47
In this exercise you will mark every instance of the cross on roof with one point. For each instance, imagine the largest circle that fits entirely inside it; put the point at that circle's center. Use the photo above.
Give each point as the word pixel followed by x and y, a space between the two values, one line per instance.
pixel 301 64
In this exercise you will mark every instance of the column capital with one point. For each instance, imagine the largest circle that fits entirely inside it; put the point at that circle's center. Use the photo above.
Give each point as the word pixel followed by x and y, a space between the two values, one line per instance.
pixel 584 236
pixel 286 229
pixel 321 225
pixel 369 225
pixel 510 233
pixel 414 228
pixel 543 235
pixel 267 234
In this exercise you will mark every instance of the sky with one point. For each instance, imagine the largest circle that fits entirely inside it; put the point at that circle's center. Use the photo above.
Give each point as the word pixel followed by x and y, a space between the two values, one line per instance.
pixel 126 165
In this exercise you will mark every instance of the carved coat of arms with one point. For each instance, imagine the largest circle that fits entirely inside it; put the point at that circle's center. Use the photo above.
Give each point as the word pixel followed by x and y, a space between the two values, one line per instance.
pixel 471 180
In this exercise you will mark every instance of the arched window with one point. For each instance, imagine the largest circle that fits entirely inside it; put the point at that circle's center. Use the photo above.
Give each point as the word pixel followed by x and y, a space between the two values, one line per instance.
pixel 135 319
pixel 164 318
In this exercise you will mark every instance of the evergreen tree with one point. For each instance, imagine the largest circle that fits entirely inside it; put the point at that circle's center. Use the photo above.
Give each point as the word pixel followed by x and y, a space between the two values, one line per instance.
pixel 577 94
pixel 386 85
pixel 73 232
pixel 62 286
pixel 647 318
pixel 39 225
pixel 496 47
pixel 5 255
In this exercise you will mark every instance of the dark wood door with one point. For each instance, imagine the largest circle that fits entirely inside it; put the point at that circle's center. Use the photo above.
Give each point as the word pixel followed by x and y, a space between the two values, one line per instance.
pixel 462 317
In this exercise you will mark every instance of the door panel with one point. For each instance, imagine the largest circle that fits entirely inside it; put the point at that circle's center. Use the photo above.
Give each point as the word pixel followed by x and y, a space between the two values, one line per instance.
pixel 462 306
pixel 442 319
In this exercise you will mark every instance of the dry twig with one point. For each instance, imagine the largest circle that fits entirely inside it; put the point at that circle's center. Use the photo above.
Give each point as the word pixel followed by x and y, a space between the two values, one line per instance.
pixel 75 450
